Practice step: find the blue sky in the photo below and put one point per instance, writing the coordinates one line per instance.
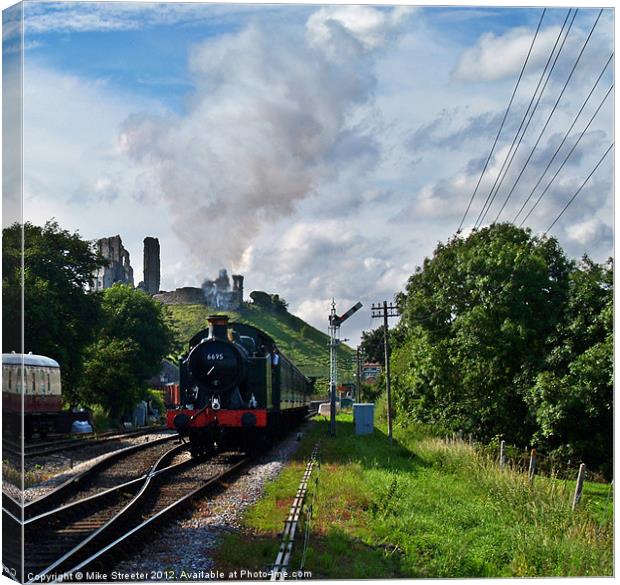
(322, 151)
(135, 58)
(148, 58)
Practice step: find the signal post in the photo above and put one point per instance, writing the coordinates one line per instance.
(334, 333)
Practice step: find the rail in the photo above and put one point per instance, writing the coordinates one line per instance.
(92, 540)
(17, 511)
(38, 449)
(124, 542)
(280, 568)
(127, 487)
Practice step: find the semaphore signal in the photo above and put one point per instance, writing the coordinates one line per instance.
(334, 331)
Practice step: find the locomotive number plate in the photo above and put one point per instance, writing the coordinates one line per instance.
(212, 357)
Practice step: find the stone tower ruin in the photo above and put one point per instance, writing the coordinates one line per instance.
(151, 265)
(118, 268)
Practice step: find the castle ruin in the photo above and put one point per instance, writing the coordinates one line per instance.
(118, 268)
(218, 293)
(215, 293)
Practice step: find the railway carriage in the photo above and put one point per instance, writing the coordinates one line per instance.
(234, 390)
(31, 384)
(32, 390)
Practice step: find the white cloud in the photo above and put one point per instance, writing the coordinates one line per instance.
(314, 311)
(11, 121)
(45, 17)
(368, 26)
(500, 56)
(73, 168)
(312, 261)
(589, 232)
(287, 163)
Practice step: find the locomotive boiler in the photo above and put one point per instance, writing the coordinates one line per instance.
(236, 388)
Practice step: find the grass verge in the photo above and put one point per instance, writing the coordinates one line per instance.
(425, 508)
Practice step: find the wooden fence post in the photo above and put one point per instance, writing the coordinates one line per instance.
(502, 457)
(579, 487)
(532, 469)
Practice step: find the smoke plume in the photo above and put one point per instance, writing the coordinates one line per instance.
(270, 121)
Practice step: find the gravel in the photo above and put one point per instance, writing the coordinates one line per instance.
(188, 544)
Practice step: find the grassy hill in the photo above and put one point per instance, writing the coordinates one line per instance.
(305, 345)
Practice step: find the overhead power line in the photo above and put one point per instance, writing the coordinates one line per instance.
(555, 105)
(518, 137)
(514, 91)
(567, 156)
(598, 164)
(557, 150)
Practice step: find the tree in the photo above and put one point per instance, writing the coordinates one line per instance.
(60, 315)
(572, 399)
(270, 301)
(136, 334)
(109, 377)
(477, 319)
(261, 298)
(372, 345)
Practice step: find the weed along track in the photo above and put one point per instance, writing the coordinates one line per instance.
(72, 537)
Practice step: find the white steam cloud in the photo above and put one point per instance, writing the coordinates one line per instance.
(271, 121)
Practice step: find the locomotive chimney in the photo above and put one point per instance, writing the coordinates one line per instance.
(218, 326)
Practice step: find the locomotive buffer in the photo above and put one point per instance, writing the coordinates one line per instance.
(334, 331)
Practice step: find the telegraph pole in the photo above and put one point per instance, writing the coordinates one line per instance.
(334, 332)
(358, 392)
(386, 311)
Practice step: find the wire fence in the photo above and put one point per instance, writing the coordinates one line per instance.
(532, 462)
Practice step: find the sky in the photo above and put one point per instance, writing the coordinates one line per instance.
(321, 151)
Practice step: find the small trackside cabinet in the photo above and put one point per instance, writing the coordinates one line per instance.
(363, 415)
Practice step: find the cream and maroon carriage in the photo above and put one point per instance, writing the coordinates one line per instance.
(31, 385)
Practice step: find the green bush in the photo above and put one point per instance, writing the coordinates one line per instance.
(155, 398)
(101, 421)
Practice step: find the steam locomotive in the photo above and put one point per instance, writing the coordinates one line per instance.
(236, 388)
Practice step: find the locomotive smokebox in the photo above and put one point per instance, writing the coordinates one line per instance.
(216, 364)
(218, 326)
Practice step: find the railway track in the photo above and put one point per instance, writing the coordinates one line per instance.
(72, 539)
(51, 535)
(69, 444)
(110, 471)
(95, 520)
